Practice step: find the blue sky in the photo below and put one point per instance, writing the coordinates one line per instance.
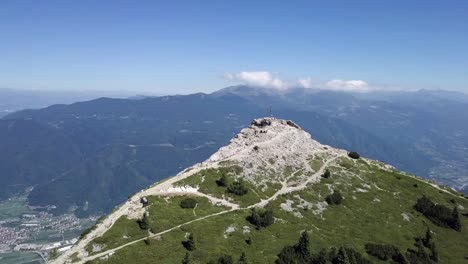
(191, 46)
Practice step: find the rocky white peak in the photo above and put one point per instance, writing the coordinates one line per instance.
(269, 146)
(269, 151)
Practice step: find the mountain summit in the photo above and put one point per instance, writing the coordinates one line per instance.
(275, 144)
(272, 183)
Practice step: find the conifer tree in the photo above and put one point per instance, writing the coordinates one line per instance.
(456, 219)
(143, 223)
(190, 243)
(303, 245)
(242, 259)
(342, 257)
(186, 259)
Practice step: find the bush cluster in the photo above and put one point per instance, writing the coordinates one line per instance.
(261, 219)
(188, 203)
(237, 188)
(353, 155)
(223, 181)
(228, 259)
(385, 252)
(425, 253)
(300, 254)
(438, 214)
(334, 198)
(326, 174)
(189, 244)
(143, 223)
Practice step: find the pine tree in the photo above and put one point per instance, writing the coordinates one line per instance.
(342, 257)
(455, 219)
(434, 253)
(143, 223)
(421, 252)
(223, 181)
(225, 259)
(427, 238)
(287, 255)
(190, 243)
(242, 259)
(302, 246)
(321, 257)
(186, 259)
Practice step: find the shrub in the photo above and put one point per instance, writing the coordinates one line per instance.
(300, 254)
(224, 259)
(143, 223)
(223, 181)
(382, 251)
(438, 214)
(237, 188)
(334, 198)
(326, 174)
(353, 155)
(188, 203)
(189, 244)
(288, 255)
(186, 259)
(261, 219)
(242, 259)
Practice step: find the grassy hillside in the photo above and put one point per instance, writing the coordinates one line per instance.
(377, 206)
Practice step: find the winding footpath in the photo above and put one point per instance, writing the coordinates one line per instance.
(252, 144)
(234, 207)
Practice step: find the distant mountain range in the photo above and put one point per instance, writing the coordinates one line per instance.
(12, 100)
(91, 155)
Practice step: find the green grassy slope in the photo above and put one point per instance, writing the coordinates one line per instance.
(378, 206)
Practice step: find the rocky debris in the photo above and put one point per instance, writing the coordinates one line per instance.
(320, 208)
(261, 122)
(291, 123)
(288, 207)
(144, 201)
(406, 217)
(229, 230)
(303, 204)
(272, 139)
(97, 247)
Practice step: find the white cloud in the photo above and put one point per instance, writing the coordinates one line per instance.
(259, 79)
(305, 83)
(266, 79)
(348, 85)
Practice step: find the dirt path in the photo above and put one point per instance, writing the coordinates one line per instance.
(128, 208)
(288, 189)
(111, 251)
(281, 140)
(234, 207)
